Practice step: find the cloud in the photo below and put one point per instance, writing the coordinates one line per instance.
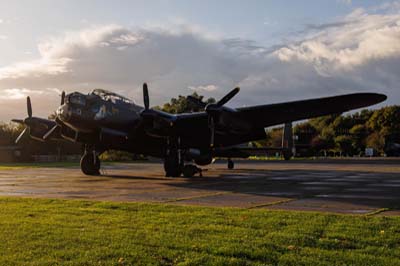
(206, 88)
(360, 52)
(346, 2)
(371, 37)
(18, 93)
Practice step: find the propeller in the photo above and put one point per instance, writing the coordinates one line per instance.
(62, 97)
(228, 97)
(214, 109)
(27, 121)
(23, 133)
(52, 132)
(29, 106)
(155, 122)
(146, 100)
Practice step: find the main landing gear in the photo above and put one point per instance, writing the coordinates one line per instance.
(90, 163)
(174, 165)
(174, 168)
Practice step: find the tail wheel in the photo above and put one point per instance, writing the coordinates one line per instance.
(287, 155)
(231, 164)
(90, 164)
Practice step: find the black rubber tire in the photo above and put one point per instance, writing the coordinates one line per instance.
(172, 167)
(88, 166)
(231, 164)
(287, 155)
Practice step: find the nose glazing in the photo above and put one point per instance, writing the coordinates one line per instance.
(64, 112)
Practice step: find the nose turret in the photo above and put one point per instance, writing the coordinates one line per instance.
(71, 107)
(64, 113)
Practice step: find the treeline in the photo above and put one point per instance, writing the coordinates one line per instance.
(346, 135)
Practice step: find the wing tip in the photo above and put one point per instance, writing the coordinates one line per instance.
(375, 98)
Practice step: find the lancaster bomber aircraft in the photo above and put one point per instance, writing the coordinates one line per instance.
(102, 120)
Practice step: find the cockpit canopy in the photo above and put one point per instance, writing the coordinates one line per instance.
(111, 96)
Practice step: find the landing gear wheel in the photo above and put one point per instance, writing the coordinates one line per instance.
(231, 164)
(90, 164)
(172, 166)
(287, 155)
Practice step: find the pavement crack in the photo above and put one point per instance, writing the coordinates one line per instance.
(195, 197)
(270, 203)
(378, 211)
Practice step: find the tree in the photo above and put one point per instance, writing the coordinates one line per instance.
(344, 144)
(274, 137)
(9, 132)
(305, 132)
(376, 141)
(182, 105)
(359, 134)
(342, 124)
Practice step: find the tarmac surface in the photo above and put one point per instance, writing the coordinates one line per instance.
(364, 186)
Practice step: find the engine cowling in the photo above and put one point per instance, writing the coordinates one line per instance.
(199, 157)
(203, 160)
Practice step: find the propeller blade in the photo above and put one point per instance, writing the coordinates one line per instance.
(196, 101)
(62, 97)
(51, 132)
(146, 100)
(212, 129)
(228, 97)
(29, 106)
(25, 131)
(19, 121)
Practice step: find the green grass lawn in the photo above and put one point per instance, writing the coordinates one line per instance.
(69, 232)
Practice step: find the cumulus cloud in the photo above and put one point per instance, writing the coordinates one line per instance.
(360, 52)
(348, 45)
(204, 88)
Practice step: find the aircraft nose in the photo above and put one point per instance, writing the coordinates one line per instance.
(64, 112)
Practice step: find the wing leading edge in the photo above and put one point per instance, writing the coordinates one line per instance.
(274, 114)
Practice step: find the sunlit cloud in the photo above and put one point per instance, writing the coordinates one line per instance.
(207, 88)
(17, 93)
(347, 45)
(360, 52)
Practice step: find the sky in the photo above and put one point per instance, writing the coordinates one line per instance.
(274, 50)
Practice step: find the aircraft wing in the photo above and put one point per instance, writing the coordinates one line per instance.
(248, 123)
(275, 114)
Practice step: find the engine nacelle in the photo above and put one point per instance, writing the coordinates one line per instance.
(204, 160)
(199, 157)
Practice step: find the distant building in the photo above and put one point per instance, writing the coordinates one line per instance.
(10, 154)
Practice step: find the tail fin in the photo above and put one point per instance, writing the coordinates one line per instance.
(287, 141)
